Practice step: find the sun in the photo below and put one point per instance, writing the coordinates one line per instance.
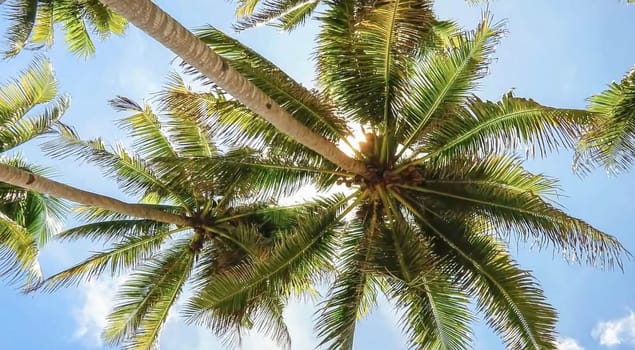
(351, 145)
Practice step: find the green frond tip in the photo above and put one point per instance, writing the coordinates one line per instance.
(32, 24)
(610, 139)
(284, 14)
(509, 297)
(144, 300)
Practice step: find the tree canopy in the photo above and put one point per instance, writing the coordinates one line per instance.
(421, 211)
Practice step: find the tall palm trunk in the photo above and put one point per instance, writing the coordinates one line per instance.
(30, 181)
(171, 34)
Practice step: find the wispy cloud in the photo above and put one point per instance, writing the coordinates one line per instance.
(569, 344)
(95, 300)
(620, 331)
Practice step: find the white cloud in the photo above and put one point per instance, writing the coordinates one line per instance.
(569, 344)
(616, 332)
(96, 300)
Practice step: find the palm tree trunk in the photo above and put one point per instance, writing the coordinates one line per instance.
(170, 33)
(30, 181)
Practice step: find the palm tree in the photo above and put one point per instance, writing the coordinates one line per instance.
(27, 218)
(31, 24)
(427, 221)
(610, 139)
(228, 225)
(436, 190)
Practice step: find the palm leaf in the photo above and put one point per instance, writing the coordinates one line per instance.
(444, 81)
(111, 230)
(284, 14)
(185, 127)
(32, 24)
(510, 199)
(146, 298)
(20, 131)
(435, 313)
(511, 124)
(145, 127)
(289, 266)
(125, 255)
(23, 13)
(35, 85)
(133, 174)
(303, 104)
(509, 297)
(610, 142)
(18, 252)
(354, 292)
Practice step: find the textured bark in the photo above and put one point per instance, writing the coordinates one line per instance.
(30, 181)
(170, 33)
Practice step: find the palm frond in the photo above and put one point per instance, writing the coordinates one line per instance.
(27, 220)
(284, 14)
(610, 142)
(244, 171)
(103, 21)
(44, 216)
(43, 28)
(435, 313)
(443, 81)
(354, 291)
(145, 299)
(91, 213)
(76, 28)
(18, 253)
(125, 255)
(510, 198)
(110, 230)
(133, 174)
(32, 24)
(35, 85)
(144, 126)
(512, 124)
(23, 130)
(509, 297)
(186, 115)
(221, 304)
(306, 106)
(23, 13)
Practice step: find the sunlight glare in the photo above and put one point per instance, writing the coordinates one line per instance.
(353, 140)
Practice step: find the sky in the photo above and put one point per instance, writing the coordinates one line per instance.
(558, 52)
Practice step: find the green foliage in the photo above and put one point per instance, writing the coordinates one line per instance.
(32, 24)
(427, 224)
(444, 191)
(177, 168)
(29, 107)
(610, 139)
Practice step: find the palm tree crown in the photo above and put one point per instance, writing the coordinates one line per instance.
(442, 192)
(176, 168)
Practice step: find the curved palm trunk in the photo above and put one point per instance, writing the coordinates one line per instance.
(170, 33)
(30, 181)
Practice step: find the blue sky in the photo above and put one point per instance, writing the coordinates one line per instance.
(558, 52)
